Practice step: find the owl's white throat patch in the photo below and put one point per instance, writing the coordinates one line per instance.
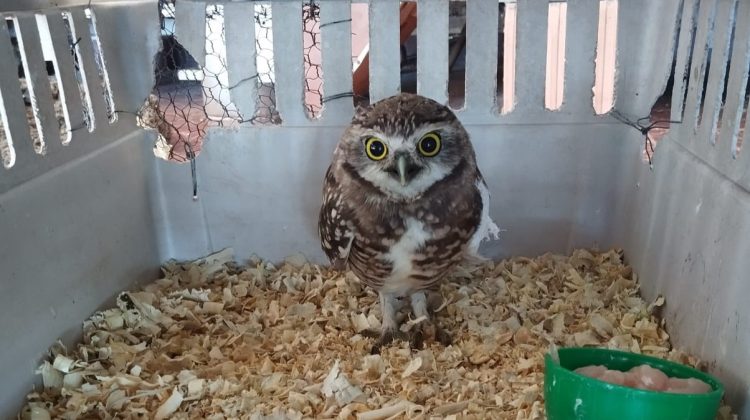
(401, 255)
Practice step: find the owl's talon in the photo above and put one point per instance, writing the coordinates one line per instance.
(416, 341)
(417, 338)
(370, 333)
(386, 338)
(443, 337)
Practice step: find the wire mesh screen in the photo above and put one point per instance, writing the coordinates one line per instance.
(189, 98)
(312, 57)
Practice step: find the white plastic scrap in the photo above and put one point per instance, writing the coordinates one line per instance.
(63, 363)
(338, 386)
(296, 260)
(38, 412)
(412, 367)
(168, 407)
(360, 323)
(73, 380)
(553, 353)
(213, 263)
(408, 408)
(198, 295)
(127, 300)
(196, 388)
(51, 377)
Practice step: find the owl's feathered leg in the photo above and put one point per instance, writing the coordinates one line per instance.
(419, 307)
(389, 331)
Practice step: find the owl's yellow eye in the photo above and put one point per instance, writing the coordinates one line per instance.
(429, 145)
(375, 148)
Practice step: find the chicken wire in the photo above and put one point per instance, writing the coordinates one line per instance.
(188, 98)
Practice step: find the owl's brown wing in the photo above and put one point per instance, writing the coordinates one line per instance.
(334, 223)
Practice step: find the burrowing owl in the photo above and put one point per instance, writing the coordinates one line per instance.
(404, 202)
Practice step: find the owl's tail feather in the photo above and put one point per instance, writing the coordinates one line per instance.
(489, 232)
(493, 232)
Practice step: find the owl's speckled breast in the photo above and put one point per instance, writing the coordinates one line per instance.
(415, 246)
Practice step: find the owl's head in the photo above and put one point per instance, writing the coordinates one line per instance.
(404, 144)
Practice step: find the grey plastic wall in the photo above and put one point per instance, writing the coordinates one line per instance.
(79, 225)
(685, 225)
(71, 239)
(686, 229)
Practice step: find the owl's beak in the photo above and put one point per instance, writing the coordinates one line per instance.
(401, 166)
(404, 169)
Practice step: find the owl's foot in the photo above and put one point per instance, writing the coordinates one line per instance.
(427, 329)
(384, 338)
(428, 326)
(370, 333)
(389, 332)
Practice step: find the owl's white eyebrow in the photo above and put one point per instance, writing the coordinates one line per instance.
(421, 131)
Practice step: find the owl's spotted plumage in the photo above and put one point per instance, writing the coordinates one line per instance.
(403, 201)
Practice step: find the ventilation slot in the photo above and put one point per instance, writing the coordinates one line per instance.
(669, 106)
(266, 112)
(738, 85)
(27, 87)
(508, 58)
(74, 40)
(700, 64)
(716, 93)
(738, 91)
(37, 55)
(360, 53)
(741, 132)
(456, 53)
(555, 76)
(606, 54)
(55, 80)
(217, 105)
(7, 153)
(408, 45)
(212, 75)
(705, 67)
(101, 67)
(312, 56)
(683, 57)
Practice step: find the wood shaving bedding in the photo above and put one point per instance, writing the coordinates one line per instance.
(216, 341)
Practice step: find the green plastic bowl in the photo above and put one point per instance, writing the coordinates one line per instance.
(569, 395)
